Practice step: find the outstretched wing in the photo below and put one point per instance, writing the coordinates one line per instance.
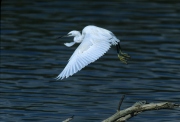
(87, 52)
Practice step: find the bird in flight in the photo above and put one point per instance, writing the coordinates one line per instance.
(95, 42)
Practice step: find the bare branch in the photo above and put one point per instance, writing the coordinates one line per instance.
(120, 103)
(68, 119)
(123, 115)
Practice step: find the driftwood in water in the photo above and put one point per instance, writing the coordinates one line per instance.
(137, 108)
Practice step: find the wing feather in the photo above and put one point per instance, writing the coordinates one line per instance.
(86, 53)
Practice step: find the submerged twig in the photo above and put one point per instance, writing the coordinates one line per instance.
(68, 119)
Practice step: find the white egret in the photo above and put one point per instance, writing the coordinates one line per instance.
(95, 42)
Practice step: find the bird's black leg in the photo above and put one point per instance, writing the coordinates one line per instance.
(117, 47)
(122, 56)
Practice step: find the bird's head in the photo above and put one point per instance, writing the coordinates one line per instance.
(73, 33)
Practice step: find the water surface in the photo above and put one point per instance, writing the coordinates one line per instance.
(31, 58)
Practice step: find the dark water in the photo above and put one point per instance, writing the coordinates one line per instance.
(31, 58)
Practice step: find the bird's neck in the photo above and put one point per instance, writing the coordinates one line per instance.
(78, 38)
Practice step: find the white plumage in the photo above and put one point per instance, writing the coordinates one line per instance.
(95, 42)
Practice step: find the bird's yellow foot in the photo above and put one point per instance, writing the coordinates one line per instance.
(124, 54)
(123, 57)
